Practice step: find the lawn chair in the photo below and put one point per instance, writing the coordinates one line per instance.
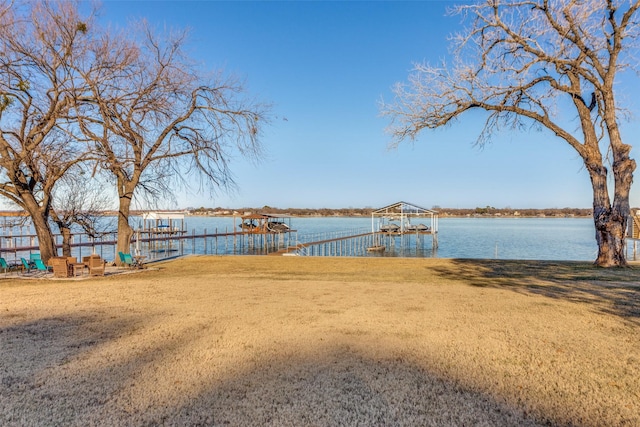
(61, 267)
(4, 265)
(26, 265)
(96, 265)
(38, 266)
(41, 267)
(127, 259)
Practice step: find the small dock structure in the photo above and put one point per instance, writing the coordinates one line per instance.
(633, 224)
(161, 232)
(266, 233)
(633, 231)
(395, 229)
(404, 218)
(259, 223)
(163, 223)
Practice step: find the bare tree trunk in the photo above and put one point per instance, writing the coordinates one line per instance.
(125, 232)
(610, 220)
(610, 226)
(65, 231)
(46, 241)
(66, 241)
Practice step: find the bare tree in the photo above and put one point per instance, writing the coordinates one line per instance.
(37, 92)
(80, 201)
(158, 122)
(525, 62)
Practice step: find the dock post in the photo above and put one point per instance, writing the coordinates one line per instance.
(206, 252)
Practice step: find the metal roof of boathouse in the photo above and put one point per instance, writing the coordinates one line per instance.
(403, 213)
(404, 208)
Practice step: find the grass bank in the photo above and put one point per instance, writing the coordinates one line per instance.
(325, 341)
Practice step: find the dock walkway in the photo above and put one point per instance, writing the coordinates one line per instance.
(303, 246)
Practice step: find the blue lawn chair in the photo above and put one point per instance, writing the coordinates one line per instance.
(126, 259)
(26, 265)
(40, 266)
(4, 265)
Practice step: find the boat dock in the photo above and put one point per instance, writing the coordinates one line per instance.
(348, 245)
(633, 233)
(395, 231)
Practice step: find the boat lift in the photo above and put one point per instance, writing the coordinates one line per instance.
(404, 218)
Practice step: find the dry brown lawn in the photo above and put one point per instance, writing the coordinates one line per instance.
(300, 341)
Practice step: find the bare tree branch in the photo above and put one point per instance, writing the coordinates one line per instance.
(154, 121)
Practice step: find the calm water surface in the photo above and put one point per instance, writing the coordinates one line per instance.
(504, 238)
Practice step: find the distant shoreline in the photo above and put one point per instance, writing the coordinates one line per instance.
(363, 212)
(487, 212)
(441, 216)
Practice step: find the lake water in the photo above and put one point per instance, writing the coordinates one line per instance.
(570, 239)
(503, 238)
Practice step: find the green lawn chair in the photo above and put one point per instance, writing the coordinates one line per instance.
(126, 259)
(26, 265)
(40, 266)
(4, 265)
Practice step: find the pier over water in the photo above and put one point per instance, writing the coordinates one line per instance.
(159, 235)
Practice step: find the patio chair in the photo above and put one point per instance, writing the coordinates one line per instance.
(40, 266)
(26, 265)
(61, 267)
(96, 265)
(127, 259)
(4, 265)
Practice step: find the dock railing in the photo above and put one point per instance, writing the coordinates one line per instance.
(155, 247)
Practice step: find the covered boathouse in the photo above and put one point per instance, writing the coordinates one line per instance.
(403, 218)
(633, 232)
(266, 233)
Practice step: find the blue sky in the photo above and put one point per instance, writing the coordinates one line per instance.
(325, 66)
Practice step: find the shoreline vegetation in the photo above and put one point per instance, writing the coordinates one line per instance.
(254, 341)
(366, 212)
(487, 211)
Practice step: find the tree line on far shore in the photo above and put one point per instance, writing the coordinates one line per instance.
(366, 211)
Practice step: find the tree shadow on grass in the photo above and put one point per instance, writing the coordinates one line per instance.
(341, 386)
(46, 381)
(610, 291)
(39, 359)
